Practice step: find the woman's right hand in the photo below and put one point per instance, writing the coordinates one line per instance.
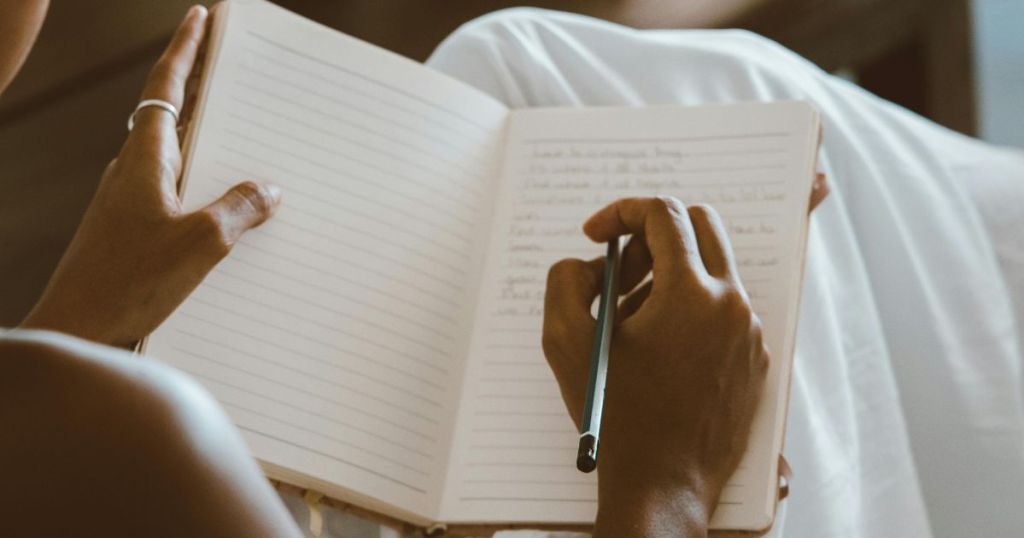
(687, 366)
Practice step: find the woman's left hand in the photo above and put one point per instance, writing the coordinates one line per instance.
(137, 254)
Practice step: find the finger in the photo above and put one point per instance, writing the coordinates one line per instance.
(666, 227)
(636, 264)
(820, 190)
(241, 208)
(194, 79)
(632, 303)
(568, 324)
(713, 241)
(155, 128)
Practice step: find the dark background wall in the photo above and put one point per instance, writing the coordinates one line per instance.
(64, 117)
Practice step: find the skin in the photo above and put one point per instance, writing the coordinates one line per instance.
(687, 409)
(19, 27)
(136, 448)
(119, 446)
(161, 253)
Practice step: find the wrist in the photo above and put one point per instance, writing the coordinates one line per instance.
(657, 506)
(51, 316)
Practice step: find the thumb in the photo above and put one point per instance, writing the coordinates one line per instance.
(242, 207)
(568, 325)
(569, 328)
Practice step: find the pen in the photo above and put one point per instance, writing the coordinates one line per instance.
(590, 434)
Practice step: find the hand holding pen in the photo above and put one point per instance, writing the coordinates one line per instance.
(686, 366)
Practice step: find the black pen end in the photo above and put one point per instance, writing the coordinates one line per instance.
(586, 457)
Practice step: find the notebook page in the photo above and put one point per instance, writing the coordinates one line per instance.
(335, 334)
(515, 446)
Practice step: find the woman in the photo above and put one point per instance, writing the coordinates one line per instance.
(134, 448)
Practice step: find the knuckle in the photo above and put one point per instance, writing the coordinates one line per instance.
(254, 196)
(175, 78)
(564, 270)
(167, 166)
(551, 339)
(764, 362)
(207, 230)
(160, 73)
(736, 308)
(668, 205)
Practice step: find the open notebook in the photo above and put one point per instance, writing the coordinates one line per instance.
(379, 339)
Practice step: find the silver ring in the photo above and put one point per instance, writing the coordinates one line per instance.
(158, 103)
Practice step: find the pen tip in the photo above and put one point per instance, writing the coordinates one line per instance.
(586, 457)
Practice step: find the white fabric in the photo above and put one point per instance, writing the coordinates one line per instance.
(906, 416)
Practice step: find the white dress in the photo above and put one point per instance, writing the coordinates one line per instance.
(906, 416)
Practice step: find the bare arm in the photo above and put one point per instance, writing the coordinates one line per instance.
(120, 446)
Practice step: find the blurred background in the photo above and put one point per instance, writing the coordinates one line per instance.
(958, 62)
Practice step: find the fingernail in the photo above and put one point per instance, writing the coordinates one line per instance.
(273, 191)
(195, 11)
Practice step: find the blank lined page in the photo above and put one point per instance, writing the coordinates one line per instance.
(335, 334)
(515, 445)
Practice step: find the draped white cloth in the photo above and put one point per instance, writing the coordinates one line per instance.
(906, 415)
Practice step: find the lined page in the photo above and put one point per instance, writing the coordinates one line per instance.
(335, 334)
(515, 445)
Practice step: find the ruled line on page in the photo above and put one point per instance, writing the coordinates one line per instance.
(657, 139)
(440, 196)
(371, 362)
(480, 167)
(453, 113)
(465, 172)
(337, 311)
(403, 463)
(348, 177)
(492, 396)
(332, 457)
(305, 391)
(351, 246)
(343, 203)
(356, 319)
(293, 366)
(346, 334)
(531, 499)
(336, 154)
(558, 483)
(426, 217)
(330, 291)
(277, 63)
(558, 431)
(320, 416)
(339, 120)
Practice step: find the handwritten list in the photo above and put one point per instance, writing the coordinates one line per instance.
(517, 442)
